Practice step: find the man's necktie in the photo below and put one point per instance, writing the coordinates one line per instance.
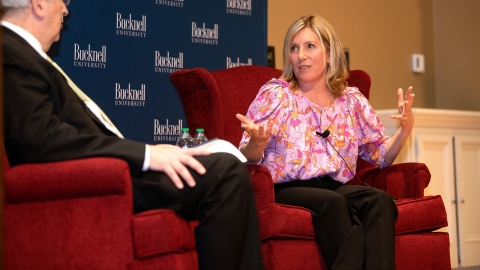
(89, 102)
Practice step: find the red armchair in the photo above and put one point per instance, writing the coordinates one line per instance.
(78, 215)
(211, 100)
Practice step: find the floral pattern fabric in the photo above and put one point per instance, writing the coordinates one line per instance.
(296, 152)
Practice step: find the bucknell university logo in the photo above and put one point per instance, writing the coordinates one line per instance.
(166, 132)
(131, 27)
(129, 96)
(86, 57)
(239, 7)
(204, 35)
(168, 64)
(231, 64)
(171, 3)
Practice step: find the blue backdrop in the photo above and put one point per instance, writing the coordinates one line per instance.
(121, 54)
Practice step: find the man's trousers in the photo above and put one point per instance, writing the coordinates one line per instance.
(223, 201)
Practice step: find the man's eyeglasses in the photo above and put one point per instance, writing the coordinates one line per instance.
(66, 2)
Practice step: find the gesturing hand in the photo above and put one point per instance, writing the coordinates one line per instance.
(173, 161)
(258, 133)
(405, 108)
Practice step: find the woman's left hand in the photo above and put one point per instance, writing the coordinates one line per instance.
(405, 115)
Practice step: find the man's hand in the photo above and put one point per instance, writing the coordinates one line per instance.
(173, 161)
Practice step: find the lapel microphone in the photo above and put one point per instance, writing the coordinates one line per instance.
(324, 135)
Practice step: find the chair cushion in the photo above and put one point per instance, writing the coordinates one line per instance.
(157, 232)
(420, 214)
(414, 215)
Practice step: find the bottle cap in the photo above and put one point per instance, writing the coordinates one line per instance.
(200, 130)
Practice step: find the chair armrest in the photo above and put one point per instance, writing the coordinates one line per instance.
(66, 179)
(403, 180)
(399, 180)
(262, 185)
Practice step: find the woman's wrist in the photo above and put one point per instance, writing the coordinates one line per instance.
(258, 144)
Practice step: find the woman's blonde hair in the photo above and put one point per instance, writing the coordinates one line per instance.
(337, 72)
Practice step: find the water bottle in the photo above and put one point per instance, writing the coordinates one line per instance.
(199, 137)
(185, 140)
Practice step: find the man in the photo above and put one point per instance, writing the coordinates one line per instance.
(45, 120)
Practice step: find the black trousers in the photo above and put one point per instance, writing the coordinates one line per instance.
(228, 234)
(355, 225)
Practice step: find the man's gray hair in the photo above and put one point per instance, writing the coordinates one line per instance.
(15, 3)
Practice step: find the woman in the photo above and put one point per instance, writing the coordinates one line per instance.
(354, 224)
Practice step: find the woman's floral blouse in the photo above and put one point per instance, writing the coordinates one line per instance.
(296, 152)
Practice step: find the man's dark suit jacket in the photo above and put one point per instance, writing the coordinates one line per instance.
(45, 120)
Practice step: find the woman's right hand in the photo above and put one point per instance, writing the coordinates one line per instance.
(259, 137)
(258, 133)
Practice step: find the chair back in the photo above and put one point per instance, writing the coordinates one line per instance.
(211, 99)
(361, 80)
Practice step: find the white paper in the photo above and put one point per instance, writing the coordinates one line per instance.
(218, 145)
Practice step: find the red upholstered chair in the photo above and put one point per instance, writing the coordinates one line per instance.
(78, 215)
(211, 100)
